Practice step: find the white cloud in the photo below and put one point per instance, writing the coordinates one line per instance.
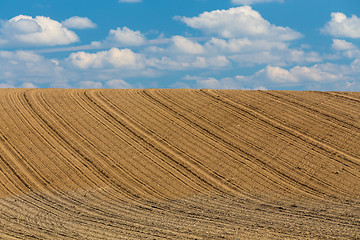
(342, 26)
(126, 36)
(185, 45)
(250, 2)
(188, 62)
(27, 69)
(168, 63)
(314, 73)
(244, 45)
(39, 31)
(277, 74)
(6, 85)
(297, 74)
(123, 37)
(347, 49)
(342, 45)
(211, 82)
(239, 22)
(113, 58)
(213, 62)
(78, 23)
(118, 83)
(355, 66)
(280, 57)
(28, 85)
(90, 84)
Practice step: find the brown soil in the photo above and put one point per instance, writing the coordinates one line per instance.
(179, 164)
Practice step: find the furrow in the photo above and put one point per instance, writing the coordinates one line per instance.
(233, 154)
(324, 149)
(293, 132)
(251, 158)
(168, 153)
(293, 168)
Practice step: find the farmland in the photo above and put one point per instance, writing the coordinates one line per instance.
(179, 164)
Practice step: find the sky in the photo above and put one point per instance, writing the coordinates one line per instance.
(220, 44)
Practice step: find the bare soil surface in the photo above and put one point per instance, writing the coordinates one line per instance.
(179, 164)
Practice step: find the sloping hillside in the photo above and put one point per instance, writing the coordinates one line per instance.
(179, 164)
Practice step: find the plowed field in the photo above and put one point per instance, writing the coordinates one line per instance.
(179, 164)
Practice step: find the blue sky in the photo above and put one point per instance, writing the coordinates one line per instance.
(224, 44)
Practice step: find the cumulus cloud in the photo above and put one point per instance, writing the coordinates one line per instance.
(188, 62)
(186, 45)
(346, 48)
(113, 58)
(28, 85)
(342, 26)
(39, 31)
(280, 57)
(118, 83)
(244, 45)
(342, 45)
(236, 82)
(214, 62)
(277, 74)
(250, 2)
(239, 22)
(297, 74)
(123, 37)
(6, 85)
(126, 36)
(326, 76)
(212, 82)
(27, 69)
(78, 23)
(90, 84)
(240, 35)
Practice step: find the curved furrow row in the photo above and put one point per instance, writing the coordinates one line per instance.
(39, 182)
(353, 97)
(178, 164)
(146, 146)
(288, 169)
(231, 133)
(315, 109)
(122, 99)
(293, 143)
(180, 157)
(329, 123)
(94, 136)
(107, 163)
(327, 103)
(277, 173)
(351, 159)
(85, 225)
(210, 144)
(48, 146)
(236, 137)
(241, 153)
(327, 151)
(324, 109)
(276, 124)
(84, 140)
(100, 167)
(72, 176)
(264, 108)
(48, 201)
